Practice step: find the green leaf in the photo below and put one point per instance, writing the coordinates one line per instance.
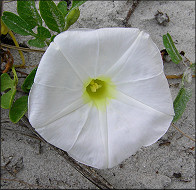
(37, 43)
(18, 109)
(6, 82)
(72, 17)
(52, 16)
(171, 49)
(28, 82)
(180, 102)
(43, 32)
(76, 4)
(62, 6)
(52, 38)
(7, 98)
(28, 12)
(17, 24)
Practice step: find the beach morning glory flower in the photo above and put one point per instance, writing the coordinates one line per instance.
(101, 95)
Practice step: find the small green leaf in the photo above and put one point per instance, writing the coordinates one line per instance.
(76, 4)
(28, 12)
(18, 109)
(28, 82)
(6, 82)
(52, 38)
(171, 49)
(52, 16)
(37, 43)
(17, 24)
(72, 17)
(43, 32)
(62, 6)
(7, 98)
(180, 102)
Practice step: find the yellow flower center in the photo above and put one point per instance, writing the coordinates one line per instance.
(99, 91)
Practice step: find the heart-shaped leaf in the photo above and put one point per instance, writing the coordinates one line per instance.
(7, 84)
(18, 109)
(7, 98)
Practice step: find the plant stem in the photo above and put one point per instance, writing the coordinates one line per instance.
(22, 49)
(15, 75)
(183, 132)
(17, 45)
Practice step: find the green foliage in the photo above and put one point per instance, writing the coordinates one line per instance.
(171, 49)
(28, 82)
(180, 102)
(18, 109)
(76, 4)
(52, 38)
(43, 33)
(37, 43)
(62, 6)
(28, 12)
(72, 17)
(184, 93)
(55, 17)
(8, 85)
(52, 15)
(6, 82)
(17, 24)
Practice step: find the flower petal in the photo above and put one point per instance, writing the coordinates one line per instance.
(80, 47)
(55, 70)
(46, 103)
(89, 148)
(153, 92)
(141, 61)
(132, 125)
(64, 131)
(113, 43)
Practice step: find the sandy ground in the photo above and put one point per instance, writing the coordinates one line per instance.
(162, 165)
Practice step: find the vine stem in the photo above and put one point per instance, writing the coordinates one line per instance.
(17, 45)
(21, 48)
(15, 75)
(183, 132)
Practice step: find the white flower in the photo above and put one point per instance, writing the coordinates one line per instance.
(101, 95)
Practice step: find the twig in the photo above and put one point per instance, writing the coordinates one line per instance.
(131, 10)
(86, 171)
(21, 48)
(183, 132)
(23, 73)
(176, 76)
